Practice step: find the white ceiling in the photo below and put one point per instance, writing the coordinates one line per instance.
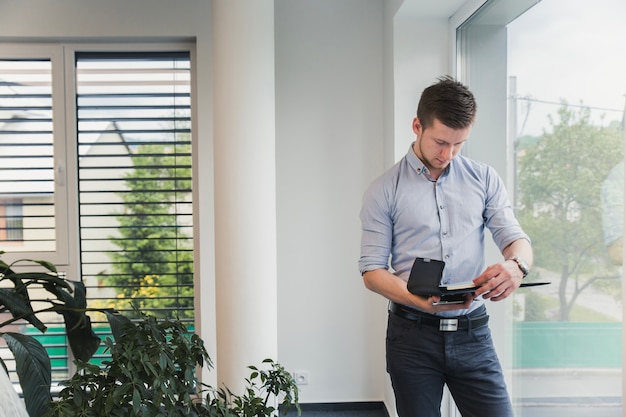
(432, 9)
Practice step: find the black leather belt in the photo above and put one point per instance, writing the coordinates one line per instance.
(443, 323)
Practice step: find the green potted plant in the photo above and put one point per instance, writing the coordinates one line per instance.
(152, 372)
(19, 288)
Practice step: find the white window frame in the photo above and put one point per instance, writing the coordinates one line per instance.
(63, 210)
(62, 57)
(70, 50)
(65, 136)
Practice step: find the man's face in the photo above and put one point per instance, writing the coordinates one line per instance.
(437, 145)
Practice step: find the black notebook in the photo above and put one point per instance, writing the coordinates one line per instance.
(425, 279)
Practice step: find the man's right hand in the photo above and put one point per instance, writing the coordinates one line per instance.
(431, 304)
(383, 282)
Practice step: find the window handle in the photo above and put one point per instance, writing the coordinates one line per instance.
(59, 174)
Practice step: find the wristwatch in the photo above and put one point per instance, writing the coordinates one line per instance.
(521, 264)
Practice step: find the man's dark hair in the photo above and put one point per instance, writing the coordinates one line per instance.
(448, 101)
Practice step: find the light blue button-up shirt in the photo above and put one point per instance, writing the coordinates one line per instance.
(406, 214)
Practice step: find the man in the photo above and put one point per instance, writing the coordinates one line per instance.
(436, 204)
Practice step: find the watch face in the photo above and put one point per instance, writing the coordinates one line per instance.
(523, 266)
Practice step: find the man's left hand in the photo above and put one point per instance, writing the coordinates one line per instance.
(498, 281)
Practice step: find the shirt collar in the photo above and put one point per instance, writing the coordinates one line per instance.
(418, 166)
(414, 161)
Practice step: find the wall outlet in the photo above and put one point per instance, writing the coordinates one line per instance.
(301, 377)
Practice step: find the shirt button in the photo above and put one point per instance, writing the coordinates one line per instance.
(447, 256)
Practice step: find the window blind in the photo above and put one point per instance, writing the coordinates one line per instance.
(134, 169)
(133, 181)
(27, 188)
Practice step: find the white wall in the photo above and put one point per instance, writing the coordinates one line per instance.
(333, 136)
(420, 56)
(329, 90)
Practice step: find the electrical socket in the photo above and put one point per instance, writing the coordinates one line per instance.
(302, 377)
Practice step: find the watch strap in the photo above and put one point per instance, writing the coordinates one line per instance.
(523, 266)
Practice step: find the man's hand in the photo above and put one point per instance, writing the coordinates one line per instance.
(498, 281)
(393, 288)
(430, 304)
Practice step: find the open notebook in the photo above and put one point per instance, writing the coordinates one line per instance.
(425, 279)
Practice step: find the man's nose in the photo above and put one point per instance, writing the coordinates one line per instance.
(448, 152)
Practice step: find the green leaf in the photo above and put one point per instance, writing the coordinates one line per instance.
(80, 335)
(65, 296)
(34, 372)
(42, 277)
(20, 308)
(117, 323)
(48, 265)
(19, 287)
(136, 401)
(82, 339)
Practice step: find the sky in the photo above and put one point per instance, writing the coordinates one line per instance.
(573, 50)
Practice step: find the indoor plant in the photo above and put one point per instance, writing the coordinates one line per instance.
(44, 284)
(152, 372)
(153, 363)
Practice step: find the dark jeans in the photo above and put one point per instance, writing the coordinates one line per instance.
(421, 359)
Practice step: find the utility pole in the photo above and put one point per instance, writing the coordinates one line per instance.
(512, 141)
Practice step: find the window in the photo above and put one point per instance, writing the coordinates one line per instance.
(125, 163)
(134, 168)
(12, 222)
(28, 220)
(565, 143)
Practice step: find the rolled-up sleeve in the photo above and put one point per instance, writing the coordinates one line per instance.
(376, 229)
(499, 214)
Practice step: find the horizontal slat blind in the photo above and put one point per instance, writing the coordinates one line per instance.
(27, 213)
(134, 160)
(134, 182)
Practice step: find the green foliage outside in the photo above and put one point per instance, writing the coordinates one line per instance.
(559, 204)
(539, 307)
(154, 267)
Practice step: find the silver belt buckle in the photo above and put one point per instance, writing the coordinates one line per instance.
(448, 325)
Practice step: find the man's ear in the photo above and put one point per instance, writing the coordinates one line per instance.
(417, 126)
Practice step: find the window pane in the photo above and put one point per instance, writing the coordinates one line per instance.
(134, 147)
(568, 122)
(27, 213)
(566, 80)
(135, 173)
(133, 179)
(14, 221)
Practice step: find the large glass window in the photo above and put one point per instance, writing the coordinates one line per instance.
(28, 221)
(569, 133)
(134, 180)
(125, 163)
(559, 69)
